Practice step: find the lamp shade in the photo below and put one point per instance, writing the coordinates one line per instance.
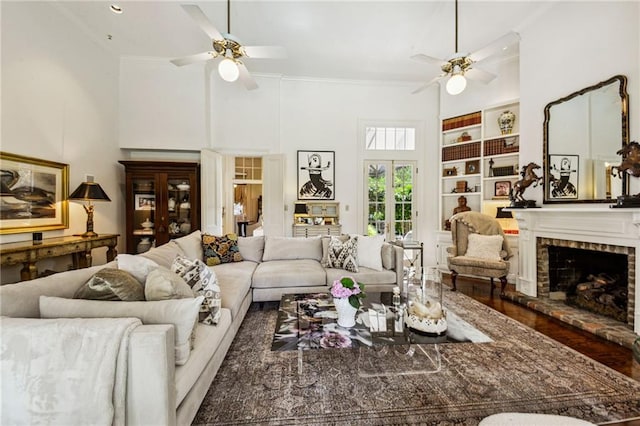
(89, 191)
(228, 70)
(456, 84)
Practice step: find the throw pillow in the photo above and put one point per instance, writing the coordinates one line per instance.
(344, 254)
(203, 282)
(388, 256)
(219, 250)
(111, 284)
(191, 245)
(163, 255)
(162, 284)
(484, 246)
(251, 248)
(370, 251)
(182, 313)
(137, 266)
(325, 248)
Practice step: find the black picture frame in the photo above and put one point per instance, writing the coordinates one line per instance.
(563, 177)
(316, 175)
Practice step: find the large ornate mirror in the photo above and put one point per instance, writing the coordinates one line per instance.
(582, 133)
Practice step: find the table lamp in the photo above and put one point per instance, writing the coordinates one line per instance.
(89, 191)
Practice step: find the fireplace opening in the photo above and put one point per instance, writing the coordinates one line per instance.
(592, 280)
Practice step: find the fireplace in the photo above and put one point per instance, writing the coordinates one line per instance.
(597, 277)
(595, 228)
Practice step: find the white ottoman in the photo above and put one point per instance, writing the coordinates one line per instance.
(531, 419)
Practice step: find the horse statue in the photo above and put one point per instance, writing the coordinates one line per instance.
(630, 160)
(630, 165)
(529, 177)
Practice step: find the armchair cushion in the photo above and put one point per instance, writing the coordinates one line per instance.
(484, 246)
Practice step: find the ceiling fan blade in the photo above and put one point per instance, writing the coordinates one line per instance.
(265, 51)
(198, 57)
(428, 59)
(245, 78)
(427, 84)
(495, 46)
(201, 19)
(479, 75)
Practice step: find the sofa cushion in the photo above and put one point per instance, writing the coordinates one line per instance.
(325, 247)
(137, 266)
(163, 255)
(234, 280)
(370, 251)
(289, 273)
(484, 246)
(207, 341)
(162, 284)
(203, 282)
(191, 245)
(251, 248)
(364, 275)
(343, 255)
(219, 250)
(111, 284)
(182, 313)
(292, 248)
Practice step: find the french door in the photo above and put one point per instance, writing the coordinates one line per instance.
(390, 208)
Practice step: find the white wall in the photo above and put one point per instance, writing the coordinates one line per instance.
(59, 102)
(571, 46)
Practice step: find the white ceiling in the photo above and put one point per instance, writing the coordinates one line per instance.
(366, 40)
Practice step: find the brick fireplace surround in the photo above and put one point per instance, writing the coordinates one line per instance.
(597, 228)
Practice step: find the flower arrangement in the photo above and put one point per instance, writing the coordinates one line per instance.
(350, 288)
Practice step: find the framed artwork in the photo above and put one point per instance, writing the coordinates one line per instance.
(34, 194)
(452, 171)
(563, 177)
(502, 189)
(145, 201)
(316, 174)
(472, 167)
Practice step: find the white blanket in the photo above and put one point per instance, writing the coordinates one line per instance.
(64, 371)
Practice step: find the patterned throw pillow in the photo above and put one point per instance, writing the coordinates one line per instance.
(219, 250)
(344, 254)
(202, 281)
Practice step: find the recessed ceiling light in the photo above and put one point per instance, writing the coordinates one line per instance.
(115, 9)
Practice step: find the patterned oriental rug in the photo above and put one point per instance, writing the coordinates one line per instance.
(521, 370)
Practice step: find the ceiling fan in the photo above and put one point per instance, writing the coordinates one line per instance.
(229, 47)
(461, 65)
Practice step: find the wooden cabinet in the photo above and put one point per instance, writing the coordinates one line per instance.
(162, 202)
(316, 218)
(479, 162)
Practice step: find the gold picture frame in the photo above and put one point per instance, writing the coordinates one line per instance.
(34, 194)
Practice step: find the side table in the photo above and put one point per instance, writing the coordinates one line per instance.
(28, 252)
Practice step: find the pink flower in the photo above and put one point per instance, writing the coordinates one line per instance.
(346, 287)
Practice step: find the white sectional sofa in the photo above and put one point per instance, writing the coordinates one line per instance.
(162, 393)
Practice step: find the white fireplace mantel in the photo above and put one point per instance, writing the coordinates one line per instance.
(598, 224)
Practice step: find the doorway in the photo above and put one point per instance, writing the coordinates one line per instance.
(247, 196)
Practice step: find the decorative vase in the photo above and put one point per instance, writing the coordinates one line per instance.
(346, 312)
(185, 227)
(144, 245)
(506, 121)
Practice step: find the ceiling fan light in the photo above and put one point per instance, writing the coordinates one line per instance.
(228, 70)
(456, 84)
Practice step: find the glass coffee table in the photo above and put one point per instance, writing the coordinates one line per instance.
(384, 345)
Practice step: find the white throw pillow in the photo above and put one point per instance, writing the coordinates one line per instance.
(191, 245)
(182, 313)
(370, 251)
(137, 266)
(484, 246)
(251, 248)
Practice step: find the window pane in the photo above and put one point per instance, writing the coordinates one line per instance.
(390, 138)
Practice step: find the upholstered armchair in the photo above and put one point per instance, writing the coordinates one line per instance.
(479, 248)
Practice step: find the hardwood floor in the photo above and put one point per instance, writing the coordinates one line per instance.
(610, 354)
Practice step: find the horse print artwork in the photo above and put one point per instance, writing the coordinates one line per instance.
(316, 173)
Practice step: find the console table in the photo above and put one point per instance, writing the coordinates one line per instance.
(28, 252)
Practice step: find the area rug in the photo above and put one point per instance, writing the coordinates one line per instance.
(521, 370)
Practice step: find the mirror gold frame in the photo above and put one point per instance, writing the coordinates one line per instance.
(594, 179)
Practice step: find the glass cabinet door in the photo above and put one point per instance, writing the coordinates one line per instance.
(179, 206)
(144, 217)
